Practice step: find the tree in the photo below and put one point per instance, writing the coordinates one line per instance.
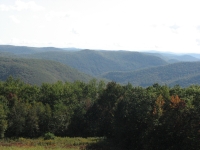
(132, 118)
(17, 119)
(60, 121)
(51, 93)
(101, 114)
(3, 121)
(45, 116)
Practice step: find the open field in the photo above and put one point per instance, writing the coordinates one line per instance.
(58, 143)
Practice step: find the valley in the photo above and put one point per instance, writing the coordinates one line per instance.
(138, 68)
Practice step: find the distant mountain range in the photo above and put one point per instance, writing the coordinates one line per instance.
(98, 62)
(47, 64)
(172, 57)
(22, 50)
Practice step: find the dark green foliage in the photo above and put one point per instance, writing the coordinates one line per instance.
(49, 136)
(152, 118)
(103, 115)
(30, 111)
(133, 118)
(3, 121)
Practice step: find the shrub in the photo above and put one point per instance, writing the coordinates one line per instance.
(49, 136)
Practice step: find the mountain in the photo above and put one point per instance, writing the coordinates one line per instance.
(95, 62)
(182, 73)
(173, 57)
(22, 50)
(195, 55)
(193, 80)
(138, 68)
(35, 71)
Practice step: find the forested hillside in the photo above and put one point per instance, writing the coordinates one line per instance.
(21, 50)
(37, 71)
(51, 98)
(137, 68)
(175, 57)
(152, 118)
(98, 62)
(183, 73)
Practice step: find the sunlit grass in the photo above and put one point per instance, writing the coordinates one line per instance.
(35, 148)
(65, 143)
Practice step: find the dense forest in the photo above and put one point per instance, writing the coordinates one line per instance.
(155, 117)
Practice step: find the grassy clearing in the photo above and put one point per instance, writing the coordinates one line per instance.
(58, 143)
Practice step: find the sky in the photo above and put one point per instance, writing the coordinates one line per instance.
(138, 25)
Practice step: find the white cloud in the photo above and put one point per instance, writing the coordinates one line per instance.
(15, 19)
(22, 42)
(55, 15)
(1, 42)
(74, 31)
(4, 7)
(174, 27)
(14, 41)
(114, 24)
(198, 27)
(198, 42)
(20, 5)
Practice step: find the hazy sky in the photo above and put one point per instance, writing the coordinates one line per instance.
(165, 25)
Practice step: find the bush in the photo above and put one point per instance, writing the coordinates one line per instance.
(49, 136)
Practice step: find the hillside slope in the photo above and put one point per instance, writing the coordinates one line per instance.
(98, 62)
(172, 57)
(187, 81)
(22, 50)
(184, 74)
(36, 71)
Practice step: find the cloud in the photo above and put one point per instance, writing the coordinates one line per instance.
(20, 5)
(174, 27)
(15, 19)
(56, 14)
(198, 42)
(22, 42)
(198, 28)
(1, 42)
(4, 7)
(74, 31)
(14, 41)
